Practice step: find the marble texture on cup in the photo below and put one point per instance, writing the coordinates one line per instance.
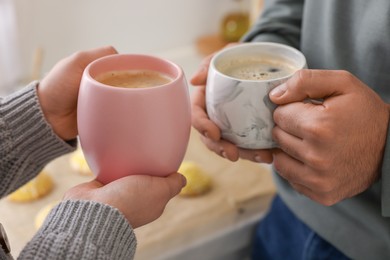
(242, 108)
(127, 131)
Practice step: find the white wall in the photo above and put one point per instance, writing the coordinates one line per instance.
(61, 27)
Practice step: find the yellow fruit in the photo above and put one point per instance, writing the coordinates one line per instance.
(198, 181)
(36, 188)
(79, 164)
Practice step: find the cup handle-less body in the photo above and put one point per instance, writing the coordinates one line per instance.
(134, 131)
(241, 108)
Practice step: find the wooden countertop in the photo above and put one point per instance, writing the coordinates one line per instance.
(241, 189)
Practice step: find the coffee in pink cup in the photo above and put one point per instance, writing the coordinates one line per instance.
(133, 116)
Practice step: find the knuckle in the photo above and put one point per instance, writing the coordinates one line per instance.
(280, 116)
(212, 146)
(318, 130)
(312, 129)
(325, 187)
(298, 189)
(291, 151)
(283, 171)
(79, 55)
(276, 132)
(301, 76)
(278, 166)
(326, 194)
(346, 75)
(79, 59)
(315, 160)
(328, 201)
(246, 155)
(196, 123)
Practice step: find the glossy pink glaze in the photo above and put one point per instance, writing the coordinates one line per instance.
(133, 131)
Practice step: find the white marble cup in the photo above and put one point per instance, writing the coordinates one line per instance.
(238, 84)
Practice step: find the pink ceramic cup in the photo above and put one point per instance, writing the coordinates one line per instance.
(128, 131)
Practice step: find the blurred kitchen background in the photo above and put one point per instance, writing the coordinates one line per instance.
(35, 34)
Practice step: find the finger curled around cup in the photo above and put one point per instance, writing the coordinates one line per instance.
(206, 127)
(201, 121)
(175, 182)
(200, 76)
(222, 148)
(260, 156)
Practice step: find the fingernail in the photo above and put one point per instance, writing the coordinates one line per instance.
(223, 153)
(184, 180)
(258, 158)
(279, 90)
(206, 134)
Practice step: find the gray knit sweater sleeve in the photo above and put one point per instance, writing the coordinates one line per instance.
(27, 142)
(279, 22)
(82, 230)
(73, 229)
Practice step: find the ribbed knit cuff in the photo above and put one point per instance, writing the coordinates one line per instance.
(31, 135)
(87, 230)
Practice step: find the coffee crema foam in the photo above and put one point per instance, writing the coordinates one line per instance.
(134, 78)
(256, 68)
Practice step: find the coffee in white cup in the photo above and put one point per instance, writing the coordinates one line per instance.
(238, 84)
(256, 67)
